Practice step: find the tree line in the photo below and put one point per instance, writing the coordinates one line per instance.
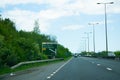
(102, 54)
(17, 46)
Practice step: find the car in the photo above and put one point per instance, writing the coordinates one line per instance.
(75, 56)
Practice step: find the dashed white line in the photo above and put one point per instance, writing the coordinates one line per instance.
(98, 64)
(12, 74)
(58, 69)
(109, 69)
(54, 72)
(48, 77)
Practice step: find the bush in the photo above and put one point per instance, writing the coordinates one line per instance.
(4, 53)
(43, 56)
(84, 53)
(11, 60)
(18, 46)
(117, 54)
(1, 63)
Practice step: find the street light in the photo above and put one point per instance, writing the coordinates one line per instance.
(88, 38)
(85, 43)
(106, 23)
(93, 24)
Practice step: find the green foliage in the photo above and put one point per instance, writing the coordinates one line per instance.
(63, 52)
(103, 54)
(100, 54)
(12, 59)
(17, 46)
(43, 56)
(84, 53)
(36, 28)
(1, 41)
(4, 53)
(117, 53)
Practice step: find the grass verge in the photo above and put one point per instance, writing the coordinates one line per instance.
(6, 70)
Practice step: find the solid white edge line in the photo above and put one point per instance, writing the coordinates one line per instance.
(58, 69)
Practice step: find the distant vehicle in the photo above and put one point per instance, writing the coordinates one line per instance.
(111, 54)
(75, 55)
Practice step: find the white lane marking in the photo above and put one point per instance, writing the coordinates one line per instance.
(12, 74)
(63, 65)
(98, 64)
(48, 77)
(109, 69)
(54, 72)
(58, 69)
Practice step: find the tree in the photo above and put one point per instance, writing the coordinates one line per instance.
(117, 53)
(18, 46)
(84, 53)
(36, 27)
(63, 52)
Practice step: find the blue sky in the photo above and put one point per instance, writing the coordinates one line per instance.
(67, 20)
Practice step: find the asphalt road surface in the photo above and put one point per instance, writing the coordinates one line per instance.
(80, 68)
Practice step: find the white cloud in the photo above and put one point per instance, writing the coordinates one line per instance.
(72, 27)
(25, 19)
(76, 6)
(57, 3)
(4, 3)
(91, 7)
(51, 14)
(58, 8)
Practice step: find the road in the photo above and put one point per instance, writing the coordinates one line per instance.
(89, 69)
(80, 68)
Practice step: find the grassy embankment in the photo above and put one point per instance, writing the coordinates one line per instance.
(28, 66)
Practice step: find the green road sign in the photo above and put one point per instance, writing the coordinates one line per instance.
(49, 48)
(49, 45)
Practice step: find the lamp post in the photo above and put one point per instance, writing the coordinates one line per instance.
(84, 43)
(106, 23)
(93, 24)
(88, 38)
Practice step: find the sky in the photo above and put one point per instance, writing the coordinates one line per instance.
(68, 20)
